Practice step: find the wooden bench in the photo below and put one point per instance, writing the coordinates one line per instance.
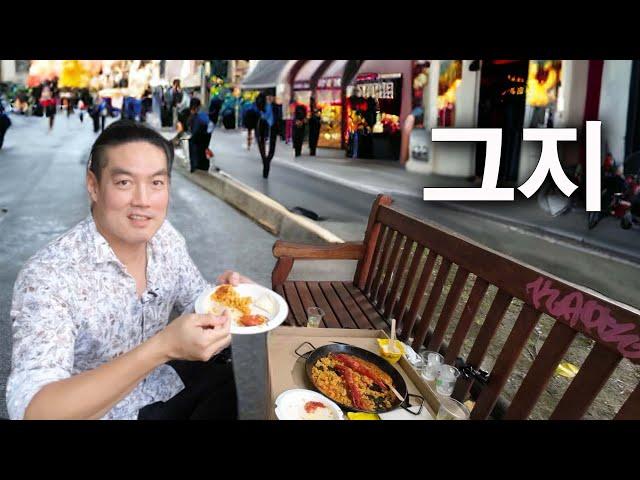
(396, 261)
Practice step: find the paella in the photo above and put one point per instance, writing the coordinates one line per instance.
(353, 382)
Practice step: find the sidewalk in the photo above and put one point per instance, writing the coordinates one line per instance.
(380, 176)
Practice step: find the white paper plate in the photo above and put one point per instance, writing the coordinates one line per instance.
(290, 405)
(255, 291)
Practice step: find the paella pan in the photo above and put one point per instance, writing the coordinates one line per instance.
(356, 379)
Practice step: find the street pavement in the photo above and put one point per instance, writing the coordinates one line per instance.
(42, 188)
(341, 191)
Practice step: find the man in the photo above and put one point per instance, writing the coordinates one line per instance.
(103, 112)
(215, 105)
(267, 129)
(299, 124)
(200, 137)
(90, 311)
(176, 98)
(315, 120)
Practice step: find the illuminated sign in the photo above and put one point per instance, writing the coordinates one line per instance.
(329, 83)
(375, 90)
(302, 85)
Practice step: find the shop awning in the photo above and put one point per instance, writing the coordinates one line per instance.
(336, 69)
(305, 74)
(266, 74)
(332, 76)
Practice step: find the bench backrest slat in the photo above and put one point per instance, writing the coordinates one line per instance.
(409, 318)
(586, 385)
(392, 297)
(401, 305)
(385, 253)
(541, 371)
(491, 322)
(435, 342)
(507, 359)
(389, 270)
(631, 408)
(429, 308)
(478, 292)
(370, 241)
(377, 257)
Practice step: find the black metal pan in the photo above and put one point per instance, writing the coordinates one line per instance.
(313, 355)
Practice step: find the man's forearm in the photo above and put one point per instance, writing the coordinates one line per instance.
(91, 394)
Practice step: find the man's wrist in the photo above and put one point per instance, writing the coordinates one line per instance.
(159, 349)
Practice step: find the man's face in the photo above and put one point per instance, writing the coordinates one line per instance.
(131, 199)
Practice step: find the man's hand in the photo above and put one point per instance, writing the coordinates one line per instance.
(196, 337)
(234, 278)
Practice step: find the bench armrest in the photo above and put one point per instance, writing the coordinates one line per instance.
(304, 251)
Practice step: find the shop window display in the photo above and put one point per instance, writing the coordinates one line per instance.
(448, 81)
(373, 116)
(329, 102)
(543, 84)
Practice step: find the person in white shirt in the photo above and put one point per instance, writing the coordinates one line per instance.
(90, 312)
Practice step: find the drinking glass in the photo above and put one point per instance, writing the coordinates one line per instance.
(314, 317)
(446, 379)
(432, 362)
(451, 409)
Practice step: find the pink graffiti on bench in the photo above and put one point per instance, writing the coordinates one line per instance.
(594, 317)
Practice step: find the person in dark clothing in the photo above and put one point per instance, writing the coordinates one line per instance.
(215, 105)
(314, 127)
(209, 393)
(267, 128)
(176, 95)
(95, 116)
(200, 137)
(299, 125)
(250, 120)
(103, 111)
(5, 123)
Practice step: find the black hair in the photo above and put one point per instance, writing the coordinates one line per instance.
(121, 132)
(194, 103)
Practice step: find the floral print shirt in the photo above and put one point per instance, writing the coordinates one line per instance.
(75, 307)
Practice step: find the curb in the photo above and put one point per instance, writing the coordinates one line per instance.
(266, 212)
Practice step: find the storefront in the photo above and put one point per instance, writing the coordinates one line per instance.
(329, 100)
(506, 94)
(268, 75)
(377, 102)
(302, 84)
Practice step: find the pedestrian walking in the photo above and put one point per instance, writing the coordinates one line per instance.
(176, 96)
(103, 111)
(200, 137)
(267, 129)
(288, 135)
(215, 105)
(314, 127)
(81, 107)
(299, 126)
(250, 120)
(48, 103)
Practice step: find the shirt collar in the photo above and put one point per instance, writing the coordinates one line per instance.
(101, 252)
